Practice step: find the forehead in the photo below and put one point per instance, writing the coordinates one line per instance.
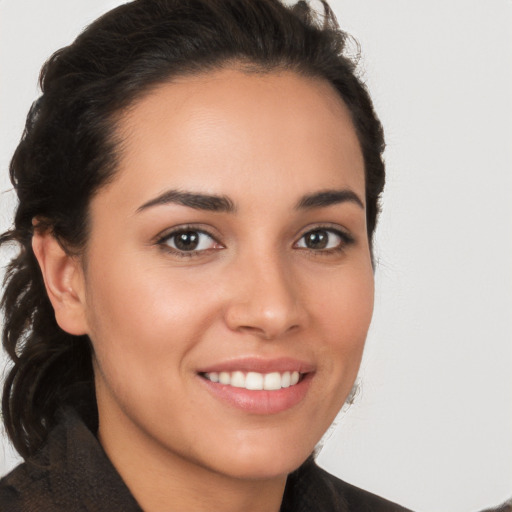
(240, 131)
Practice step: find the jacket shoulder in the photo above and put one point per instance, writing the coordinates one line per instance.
(19, 484)
(311, 488)
(358, 499)
(9, 498)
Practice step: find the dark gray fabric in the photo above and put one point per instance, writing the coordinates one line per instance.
(73, 474)
(311, 489)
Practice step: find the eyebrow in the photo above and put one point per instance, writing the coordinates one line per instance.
(198, 201)
(326, 198)
(217, 203)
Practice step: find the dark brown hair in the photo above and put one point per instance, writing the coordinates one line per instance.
(68, 151)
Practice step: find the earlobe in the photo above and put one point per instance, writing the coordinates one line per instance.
(64, 282)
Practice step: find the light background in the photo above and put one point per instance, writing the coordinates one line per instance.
(432, 425)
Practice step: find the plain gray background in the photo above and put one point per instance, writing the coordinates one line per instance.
(432, 424)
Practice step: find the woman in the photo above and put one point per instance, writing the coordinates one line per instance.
(198, 190)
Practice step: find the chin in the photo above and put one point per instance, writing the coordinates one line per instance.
(258, 464)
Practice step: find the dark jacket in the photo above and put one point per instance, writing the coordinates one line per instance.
(71, 473)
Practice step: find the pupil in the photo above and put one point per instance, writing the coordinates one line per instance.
(187, 241)
(317, 240)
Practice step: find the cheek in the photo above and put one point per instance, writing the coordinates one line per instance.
(346, 305)
(344, 317)
(141, 318)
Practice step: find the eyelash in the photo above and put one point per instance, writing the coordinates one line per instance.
(345, 240)
(163, 241)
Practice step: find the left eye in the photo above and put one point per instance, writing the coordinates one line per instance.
(321, 239)
(189, 240)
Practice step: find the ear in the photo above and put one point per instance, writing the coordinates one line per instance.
(64, 281)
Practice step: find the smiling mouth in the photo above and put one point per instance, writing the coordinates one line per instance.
(255, 381)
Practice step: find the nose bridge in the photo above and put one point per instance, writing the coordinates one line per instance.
(265, 299)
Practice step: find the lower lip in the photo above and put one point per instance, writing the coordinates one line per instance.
(260, 402)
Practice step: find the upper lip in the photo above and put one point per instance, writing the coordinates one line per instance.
(260, 365)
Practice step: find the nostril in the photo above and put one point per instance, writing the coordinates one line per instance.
(257, 331)
(268, 333)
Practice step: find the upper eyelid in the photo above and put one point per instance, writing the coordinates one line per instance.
(169, 232)
(336, 228)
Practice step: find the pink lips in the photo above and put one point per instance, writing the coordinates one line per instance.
(260, 401)
(252, 364)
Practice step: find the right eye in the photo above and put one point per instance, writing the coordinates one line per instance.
(188, 241)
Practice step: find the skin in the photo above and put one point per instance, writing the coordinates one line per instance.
(156, 317)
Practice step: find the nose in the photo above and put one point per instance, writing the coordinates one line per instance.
(265, 299)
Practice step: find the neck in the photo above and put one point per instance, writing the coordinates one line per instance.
(163, 481)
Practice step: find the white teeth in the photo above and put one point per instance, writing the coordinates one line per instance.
(272, 381)
(254, 380)
(238, 380)
(224, 378)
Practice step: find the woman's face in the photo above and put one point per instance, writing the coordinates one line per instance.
(230, 247)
